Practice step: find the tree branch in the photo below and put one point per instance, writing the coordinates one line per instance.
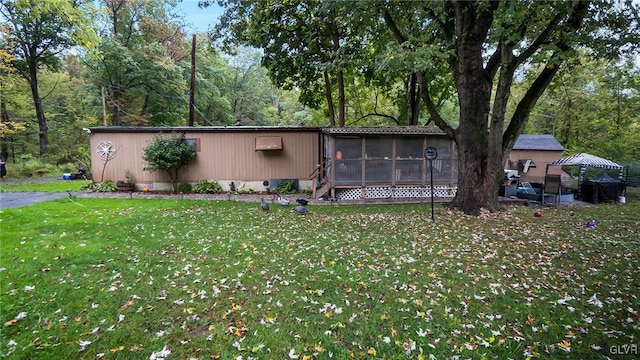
(433, 112)
(391, 24)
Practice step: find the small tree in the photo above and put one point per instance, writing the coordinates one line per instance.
(169, 154)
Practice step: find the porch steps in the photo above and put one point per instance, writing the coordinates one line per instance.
(318, 192)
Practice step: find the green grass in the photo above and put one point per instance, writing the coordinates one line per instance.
(26, 185)
(124, 278)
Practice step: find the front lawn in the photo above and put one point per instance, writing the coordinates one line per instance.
(145, 278)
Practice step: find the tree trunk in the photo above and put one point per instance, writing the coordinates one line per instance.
(43, 130)
(479, 170)
(329, 97)
(335, 38)
(115, 112)
(414, 99)
(341, 99)
(5, 140)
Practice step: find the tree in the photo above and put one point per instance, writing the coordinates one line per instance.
(169, 154)
(139, 63)
(251, 93)
(9, 93)
(484, 45)
(40, 30)
(479, 49)
(594, 108)
(302, 42)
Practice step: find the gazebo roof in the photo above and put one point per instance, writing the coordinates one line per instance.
(584, 160)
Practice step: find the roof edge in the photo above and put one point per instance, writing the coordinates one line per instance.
(191, 129)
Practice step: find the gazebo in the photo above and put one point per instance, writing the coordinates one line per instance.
(584, 160)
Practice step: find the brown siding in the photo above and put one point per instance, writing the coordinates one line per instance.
(541, 158)
(222, 156)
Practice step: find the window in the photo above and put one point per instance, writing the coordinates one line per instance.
(194, 143)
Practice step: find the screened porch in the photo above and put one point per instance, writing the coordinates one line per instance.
(388, 158)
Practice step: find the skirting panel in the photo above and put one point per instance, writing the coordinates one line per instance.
(394, 192)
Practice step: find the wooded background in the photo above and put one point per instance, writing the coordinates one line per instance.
(67, 65)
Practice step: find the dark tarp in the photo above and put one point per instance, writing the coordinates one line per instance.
(602, 188)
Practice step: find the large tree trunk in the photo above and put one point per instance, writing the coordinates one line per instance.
(479, 169)
(43, 130)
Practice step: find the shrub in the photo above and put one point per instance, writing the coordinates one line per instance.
(169, 154)
(207, 187)
(106, 186)
(185, 188)
(285, 187)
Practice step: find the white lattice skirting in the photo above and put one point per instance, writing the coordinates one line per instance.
(395, 192)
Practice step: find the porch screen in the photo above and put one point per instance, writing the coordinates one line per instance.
(409, 160)
(378, 159)
(348, 161)
(445, 165)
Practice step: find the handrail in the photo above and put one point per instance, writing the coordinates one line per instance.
(319, 169)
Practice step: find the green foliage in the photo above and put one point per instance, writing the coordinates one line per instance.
(169, 154)
(207, 187)
(593, 108)
(36, 32)
(285, 187)
(185, 188)
(35, 168)
(106, 186)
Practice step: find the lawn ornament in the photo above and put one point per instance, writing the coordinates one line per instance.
(264, 205)
(537, 214)
(300, 210)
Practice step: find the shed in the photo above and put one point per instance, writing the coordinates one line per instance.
(251, 157)
(530, 155)
(385, 162)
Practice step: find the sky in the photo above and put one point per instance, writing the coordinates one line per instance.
(198, 20)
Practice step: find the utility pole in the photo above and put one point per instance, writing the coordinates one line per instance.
(192, 87)
(104, 107)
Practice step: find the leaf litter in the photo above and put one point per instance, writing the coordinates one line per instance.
(225, 280)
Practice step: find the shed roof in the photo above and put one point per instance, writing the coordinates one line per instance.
(384, 130)
(537, 142)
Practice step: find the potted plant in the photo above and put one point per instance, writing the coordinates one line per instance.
(129, 184)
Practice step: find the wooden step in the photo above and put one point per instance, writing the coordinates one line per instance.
(322, 190)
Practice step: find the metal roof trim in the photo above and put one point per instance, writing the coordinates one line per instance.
(384, 130)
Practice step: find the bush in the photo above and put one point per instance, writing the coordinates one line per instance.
(285, 187)
(185, 188)
(106, 186)
(207, 187)
(169, 154)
